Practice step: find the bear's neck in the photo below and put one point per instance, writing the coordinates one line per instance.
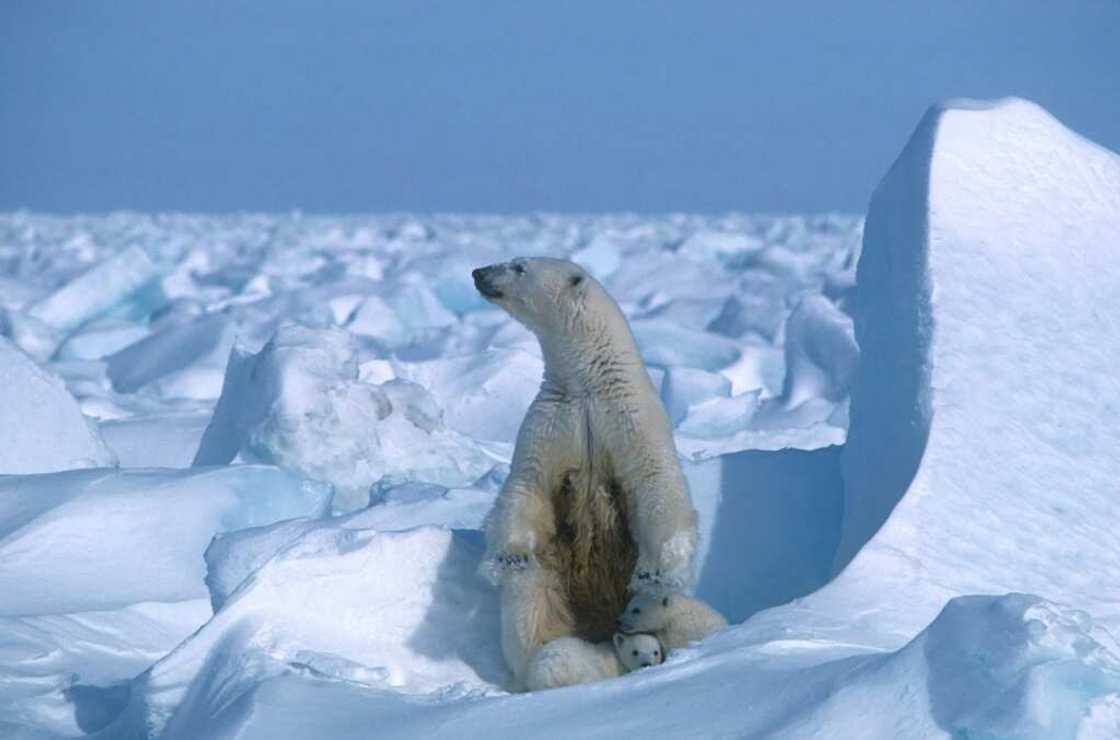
(601, 362)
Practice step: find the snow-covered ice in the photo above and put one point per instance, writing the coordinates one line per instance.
(42, 429)
(314, 414)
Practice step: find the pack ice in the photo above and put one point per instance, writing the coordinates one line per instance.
(948, 572)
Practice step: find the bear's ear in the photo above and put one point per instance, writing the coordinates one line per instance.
(575, 280)
(665, 601)
(618, 638)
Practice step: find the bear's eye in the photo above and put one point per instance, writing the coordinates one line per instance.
(635, 610)
(656, 653)
(575, 280)
(519, 269)
(635, 653)
(665, 601)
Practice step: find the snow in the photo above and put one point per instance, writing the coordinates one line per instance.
(332, 409)
(42, 429)
(300, 404)
(78, 528)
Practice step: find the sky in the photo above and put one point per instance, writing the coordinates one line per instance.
(511, 106)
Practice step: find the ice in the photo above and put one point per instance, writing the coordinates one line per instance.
(299, 404)
(684, 387)
(102, 539)
(108, 284)
(601, 258)
(104, 338)
(979, 464)
(720, 417)
(400, 611)
(187, 359)
(232, 557)
(821, 352)
(978, 458)
(42, 429)
(160, 441)
(666, 344)
(486, 394)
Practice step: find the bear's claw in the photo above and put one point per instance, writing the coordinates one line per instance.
(512, 561)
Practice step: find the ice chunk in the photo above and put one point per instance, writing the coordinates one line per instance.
(159, 441)
(684, 387)
(101, 539)
(42, 430)
(981, 455)
(664, 343)
(298, 403)
(403, 611)
(759, 304)
(821, 352)
(601, 258)
(37, 338)
(189, 358)
(95, 342)
(720, 417)
(96, 291)
(401, 315)
(1014, 666)
(484, 395)
(733, 250)
(233, 557)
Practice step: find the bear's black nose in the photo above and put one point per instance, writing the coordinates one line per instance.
(484, 280)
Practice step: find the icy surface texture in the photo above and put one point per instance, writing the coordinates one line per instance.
(979, 463)
(982, 414)
(42, 429)
(299, 404)
(400, 610)
(92, 540)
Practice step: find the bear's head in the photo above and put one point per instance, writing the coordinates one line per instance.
(551, 297)
(646, 612)
(638, 650)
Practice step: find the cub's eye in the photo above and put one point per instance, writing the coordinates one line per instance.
(635, 610)
(519, 269)
(656, 653)
(635, 653)
(575, 280)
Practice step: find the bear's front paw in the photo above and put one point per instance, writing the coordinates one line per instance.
(511, 561)
(648, 578)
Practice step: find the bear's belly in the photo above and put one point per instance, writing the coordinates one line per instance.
(593, 551)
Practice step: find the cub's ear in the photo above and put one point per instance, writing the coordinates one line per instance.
(665, 601)
(575, 280)
(618, 638)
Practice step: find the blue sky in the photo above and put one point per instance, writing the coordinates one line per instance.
(343, 106)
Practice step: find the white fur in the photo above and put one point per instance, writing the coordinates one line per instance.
(567, 661)
(596, 403)
(674, 618)
(638, 650)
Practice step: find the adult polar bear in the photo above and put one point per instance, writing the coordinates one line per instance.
(596, 506)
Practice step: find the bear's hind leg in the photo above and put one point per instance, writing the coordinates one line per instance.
(535, 610)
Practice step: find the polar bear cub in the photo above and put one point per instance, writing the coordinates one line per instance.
(567, 661)
(674, 618)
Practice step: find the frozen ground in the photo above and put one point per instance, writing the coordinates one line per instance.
(311, 416)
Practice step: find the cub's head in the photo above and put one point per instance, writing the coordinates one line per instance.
(638, 650)
(646, 612)
(547, 295)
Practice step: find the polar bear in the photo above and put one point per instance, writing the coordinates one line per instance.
(567, 661)
(595, 507)
(674, 618)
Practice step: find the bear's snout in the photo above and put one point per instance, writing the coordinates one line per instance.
(484, 280)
